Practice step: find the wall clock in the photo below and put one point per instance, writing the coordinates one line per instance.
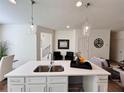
(98, 43)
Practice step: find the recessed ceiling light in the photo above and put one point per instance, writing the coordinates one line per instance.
(79, 3)
(68, 27)
(12, 1)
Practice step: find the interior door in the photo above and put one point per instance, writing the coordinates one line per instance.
(45, 45)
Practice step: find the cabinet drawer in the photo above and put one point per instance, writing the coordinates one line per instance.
(102, 79)
(16, 88)
(16, 80)
(33, 80)
(57, 79)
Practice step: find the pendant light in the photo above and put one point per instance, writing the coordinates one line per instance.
(13, 1)
(32, 14)
(86, 32)
(79, 3)
(86, 26)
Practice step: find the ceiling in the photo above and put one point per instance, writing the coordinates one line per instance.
(57, 14)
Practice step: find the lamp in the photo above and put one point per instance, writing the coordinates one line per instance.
(32, 16)
(86, 26)
(86, 32)
(13, 1)
(79, 3)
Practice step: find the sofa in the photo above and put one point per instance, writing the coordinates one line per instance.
(106, 64)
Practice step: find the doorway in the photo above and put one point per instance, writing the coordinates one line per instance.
(117, 46)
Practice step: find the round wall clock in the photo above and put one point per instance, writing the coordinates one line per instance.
(98, 43)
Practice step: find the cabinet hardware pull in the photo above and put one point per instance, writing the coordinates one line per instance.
(44, 89)
(21, 90)
(98, 88)
(50, 89)
(15, 81)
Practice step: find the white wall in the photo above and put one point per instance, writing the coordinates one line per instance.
(89, 50)
(22, 42)
(67, 34)
(0, 32)
(82, 43)
(100, 52)
(117, 46)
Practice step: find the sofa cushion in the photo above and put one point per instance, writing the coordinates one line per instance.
(100, 62)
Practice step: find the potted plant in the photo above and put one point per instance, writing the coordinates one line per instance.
(3, 49)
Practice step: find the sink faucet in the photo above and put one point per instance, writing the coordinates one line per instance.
(51, 61)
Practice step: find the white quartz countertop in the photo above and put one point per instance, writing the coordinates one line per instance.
(28, 68)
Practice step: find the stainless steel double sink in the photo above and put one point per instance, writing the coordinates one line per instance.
(47, 68)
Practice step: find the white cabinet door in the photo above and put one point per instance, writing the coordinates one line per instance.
(36, 88)
(102, 83)
(102, 87)
(57, 88)
(16, 88)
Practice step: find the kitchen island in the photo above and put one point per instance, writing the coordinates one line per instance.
(25, 79)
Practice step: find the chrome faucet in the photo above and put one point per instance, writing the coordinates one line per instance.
(51, 61)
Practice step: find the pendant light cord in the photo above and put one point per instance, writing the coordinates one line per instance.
(32, 12)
